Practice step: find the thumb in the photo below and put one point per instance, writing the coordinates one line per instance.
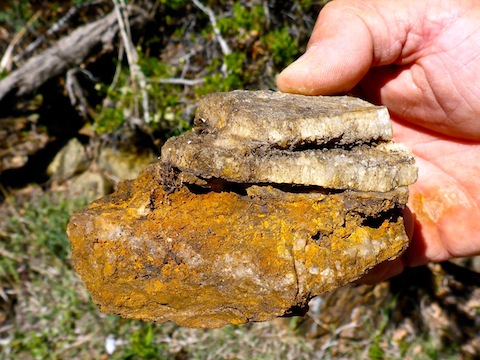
(341, 49)
(339, 55)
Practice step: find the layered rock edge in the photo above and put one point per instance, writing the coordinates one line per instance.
(270, 137)
(202, 249)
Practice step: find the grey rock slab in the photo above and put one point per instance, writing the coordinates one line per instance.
(289, 120)
(266, 137)
(364, 168)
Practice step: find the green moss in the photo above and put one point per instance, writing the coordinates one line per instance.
(243, 21)
(282, 46)
(123, 101)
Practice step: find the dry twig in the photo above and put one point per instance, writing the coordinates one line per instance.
(132, 56)
(76, 93)
(226, 50)
(179, 81)
(213, 20)
(6, 62)
(69, 52)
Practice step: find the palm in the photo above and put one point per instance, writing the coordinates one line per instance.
(435, 84)
(445, 200)
(434, 89)
(421, 60)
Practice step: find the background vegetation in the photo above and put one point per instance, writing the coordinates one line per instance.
(134, 96)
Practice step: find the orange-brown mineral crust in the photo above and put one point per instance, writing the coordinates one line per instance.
(183, 246)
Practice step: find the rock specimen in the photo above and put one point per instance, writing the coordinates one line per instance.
(270, 201)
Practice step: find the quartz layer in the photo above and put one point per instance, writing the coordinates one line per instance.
(288, 120)
(268, 137)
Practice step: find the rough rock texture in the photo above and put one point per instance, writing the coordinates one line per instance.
(184, 245)
(288, 120)
(222, 257)
(268, 137)
(382, 167)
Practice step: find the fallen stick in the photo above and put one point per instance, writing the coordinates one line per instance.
(71, 51)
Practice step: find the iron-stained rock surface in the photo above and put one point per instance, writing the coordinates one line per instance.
(205, 248)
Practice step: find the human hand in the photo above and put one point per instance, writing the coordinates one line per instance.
(421, 59)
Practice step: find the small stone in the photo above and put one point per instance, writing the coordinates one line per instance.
(122, 164)
(90, 185)
(70, 160)
(272, 200)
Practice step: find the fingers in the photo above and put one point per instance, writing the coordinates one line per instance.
(382, 272)
(349, 38)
